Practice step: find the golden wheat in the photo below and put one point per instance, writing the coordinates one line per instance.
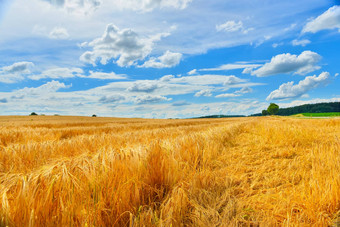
(78, 171)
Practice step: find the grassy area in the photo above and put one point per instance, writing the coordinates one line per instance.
(331, 114)
(77, 171)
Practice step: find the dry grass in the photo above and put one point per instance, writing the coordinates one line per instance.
(71, 171)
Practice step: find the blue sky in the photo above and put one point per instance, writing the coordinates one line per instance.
(166, 58)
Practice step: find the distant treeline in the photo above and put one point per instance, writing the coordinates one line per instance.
(308, 108)
(221, 116)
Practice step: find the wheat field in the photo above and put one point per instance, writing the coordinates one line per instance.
(81, 171)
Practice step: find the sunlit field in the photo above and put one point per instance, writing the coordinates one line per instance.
(79, 171)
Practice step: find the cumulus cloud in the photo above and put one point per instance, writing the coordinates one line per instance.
(149, 5)
(112, 99)
(233, 26)
(19, 67)
(288, 63)
(205, 92)
(105, 76)
(147, 99)
(290, 91)
(167, 78)
(247, 70)
(302, 42)
(59, 33)
(14, 72)
(143, 86)
(168, 60)
(58, 73)
(47, 88)
(76, 6)
(123, 46)
(328, 20)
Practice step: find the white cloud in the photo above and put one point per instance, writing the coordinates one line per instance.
(232, 67)
(328, 20)
(167, 60)
(336, 74)
(291, 27)
(63, 73)
(244, 90)
(92, 101)
(171, 85)
(58, 73)
(206, 93)
(143, 86)
(227, 95)
(288, 63)
(105, 76)
(231, 80)
(18, 67)
(14, 72)
(44, 89)
(192, 72)
(125, 46)
(208, 79)
(191, 36)
(290, 91)
(112, 99)
(149, 5)
(166, 78)
(274, 45)
(10, 78)
(76, 6)
(181, 103)
(237, 93)
(302, 42)
(230, 26)
(233, 26)
(247, 70)
(59, 33)
(147, 99)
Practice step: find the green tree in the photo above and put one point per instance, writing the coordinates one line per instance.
(273, 109)
(33, 114)
(264, 112)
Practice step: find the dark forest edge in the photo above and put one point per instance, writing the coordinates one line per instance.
(308, 108)
(305, 109)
